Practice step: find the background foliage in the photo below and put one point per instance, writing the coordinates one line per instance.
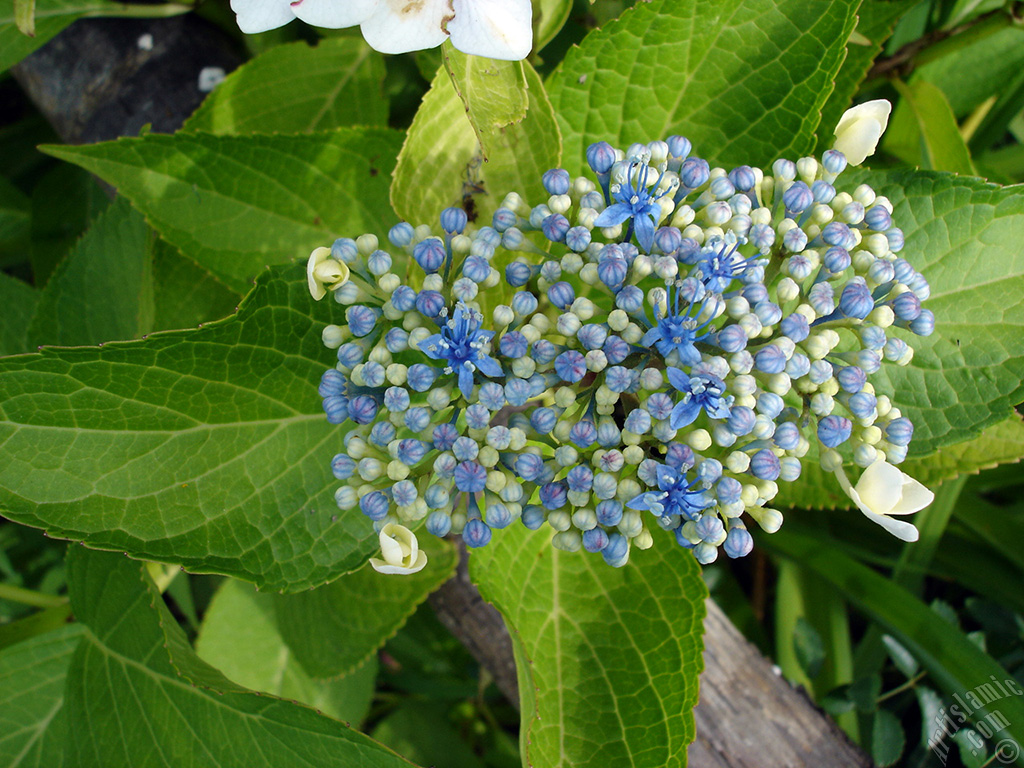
(196, 439)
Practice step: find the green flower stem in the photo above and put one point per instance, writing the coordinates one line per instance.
(30, 597)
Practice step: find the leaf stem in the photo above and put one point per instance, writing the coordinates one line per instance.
(30, 597)
(902, 687)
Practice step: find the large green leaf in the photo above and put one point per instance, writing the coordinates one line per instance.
(51, 16)
(441, 162)
(239, 636)
(336, 627)
(237, 203)
(205, 448)
(744, 80)
(923, 131)
(955, 663)
(493, 92)
(964, 236)
(549, 17)
(32, 677)
(138, 695)
(15, 221)
(298, 88)
(188, 295)
(103, 289)
(608, 658)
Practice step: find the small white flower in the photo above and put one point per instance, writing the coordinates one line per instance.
(401, 551)
(884, 490)
(324, 273)
(499, 29)
(860, 129)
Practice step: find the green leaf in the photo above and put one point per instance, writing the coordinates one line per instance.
(32, 720)
(608, 658)
(810, 650)
(964, 236)
(188, 295)
(204, 448)
(298, 88)
(15, 220)
(549, 16)
(901, 657)
(887, 739)
(334, 628)
(25, 16)
(138, 694)
(441, 165)
(954, 662)
(103, 289)
(494, 93)
(924, 132)
(239, 636)
(237, 203)
(51, 16)
(744, 80)
(18, 299)
(422, 733)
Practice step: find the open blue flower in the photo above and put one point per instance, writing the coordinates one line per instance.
(677, 330)
(637, 204)
(674, 498)
(461, 342)
(699, 391)
(720, 264)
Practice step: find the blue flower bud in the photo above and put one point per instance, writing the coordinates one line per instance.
(741, 420)
(555, 227)
(787, 436)
(592, 336)
(378, 262)
(543, 351)
(795, 240)
(770, 359)
(498, 515)
(732, 338)
(453, 221)
(834, 430)
(478, 417)
(583, 434)
(465, 448)
(638, 421)
(722, 188)
(361, 320)
(401, 234)
(524, 303)
(492, 396)
(616, 350)
(430, 303)
(833, 161)
(561, 295)
(795, 327)
(660, 405)
(822, 298)
(612, 272)
(421, 377)
(764, 465)
(517, 392)
(898, 431)
(784, 169)
(411, 451)
(862, 405)
(344, 249)
(770, 404)
(595, 539)
(332, 382)
(337, 409)
(417, 419)
(404, 493)
(396, 340)
(342, 466)
(754, 293)
(608, 434)
(439, 523)
(629, 299)
(822, 191)
(580, 478)
(616, 551)
(709, 527)
(678, 147)
(476, 534)
(556, 181)
(543, 420)
(851, 379)
(513, 345)
(609, 512)
(820, 372)
(895, 349)
(382, 434)
(375, 505)
(743, 178)
(856, 300)
(679, 456)
(571, 366)
(694, 172)
(761, 236)
(532, 517)
(601, 157)
(799, 365)
(444, 436)
(906, 306)
(529, 466)
(738, 542)
(729, 490)
(895, 237)
(470, 477)
(437, 497)
(837, 233)
(768, 313)
(503, 219)
(374, 374)
(362, 409)
(797, 198)
(709, 471)
(618, 379)
(553, 496)
(577, 239)
(517, 274)
(429, 254)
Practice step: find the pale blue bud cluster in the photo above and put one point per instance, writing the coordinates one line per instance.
(658, 348)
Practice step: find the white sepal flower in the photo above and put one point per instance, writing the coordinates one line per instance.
(324, 273)
(400, 550)
(499, 29)
(860, 128)
(885, 490)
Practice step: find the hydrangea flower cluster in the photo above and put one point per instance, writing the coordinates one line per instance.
(656, 347)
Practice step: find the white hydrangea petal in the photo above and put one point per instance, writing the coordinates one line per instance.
(877, 110)
(898, 528)
(860, 128)
(260, 15)
(335, 14)
(498, 29)
(879, 487)
(390, 547)
(381, 567)
(400, 26)
(915, 497)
